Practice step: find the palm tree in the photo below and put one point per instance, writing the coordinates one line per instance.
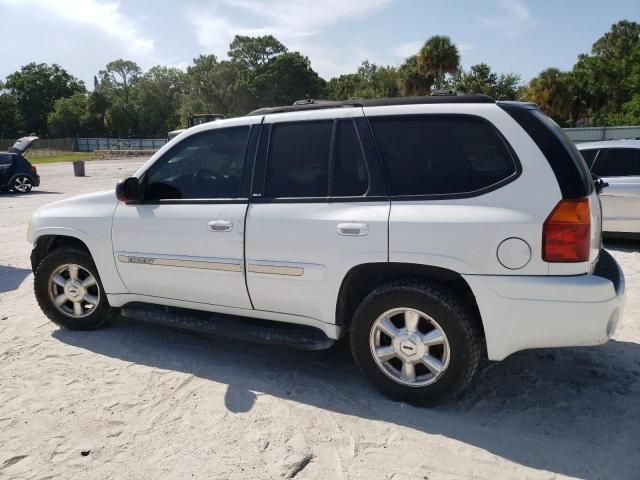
(410, 81)
(554, 92)
(438, 56)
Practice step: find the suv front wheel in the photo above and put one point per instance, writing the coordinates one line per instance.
(69, 290)
(416, 342)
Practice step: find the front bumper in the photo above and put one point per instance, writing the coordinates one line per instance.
(523, 312)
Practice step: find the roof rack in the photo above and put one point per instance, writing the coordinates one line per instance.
(311, 104)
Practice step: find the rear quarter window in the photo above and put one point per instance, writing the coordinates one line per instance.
(442, 155)
(5, 159)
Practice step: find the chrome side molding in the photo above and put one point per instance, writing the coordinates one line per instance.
(177, 262)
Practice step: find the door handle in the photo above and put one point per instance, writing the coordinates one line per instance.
(220, 226)
(352, 229)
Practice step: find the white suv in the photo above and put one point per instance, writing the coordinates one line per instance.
(425, 230)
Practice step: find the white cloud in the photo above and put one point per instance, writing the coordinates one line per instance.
(405, 50)
(104, 17)
(294, 22)
(306, 17)
(464, 47)
(512, 19)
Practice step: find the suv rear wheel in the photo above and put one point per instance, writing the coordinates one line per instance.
(416, 342)
(69, 291)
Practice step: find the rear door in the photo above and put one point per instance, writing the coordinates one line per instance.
(6, 167)
(318, 208)
(620, 168)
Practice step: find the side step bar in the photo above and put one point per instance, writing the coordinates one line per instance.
(265, 332)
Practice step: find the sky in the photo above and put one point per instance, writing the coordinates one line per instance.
(512, 36)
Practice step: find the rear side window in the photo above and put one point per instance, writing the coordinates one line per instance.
(589, 156)
(315, 159)
(298, 163)
(622, 162)
(441, 155)
(5, 159)
(349, 174)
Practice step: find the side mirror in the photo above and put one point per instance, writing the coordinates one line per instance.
(128, 190)
(599, 183)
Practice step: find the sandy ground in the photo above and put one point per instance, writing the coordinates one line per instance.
(133, 401)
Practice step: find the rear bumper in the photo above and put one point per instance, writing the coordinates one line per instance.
(523, 312)
(36, 180)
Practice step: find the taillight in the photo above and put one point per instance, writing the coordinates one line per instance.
(34, 169)
(566, 234)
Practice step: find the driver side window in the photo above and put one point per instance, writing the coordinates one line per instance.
(203, 166)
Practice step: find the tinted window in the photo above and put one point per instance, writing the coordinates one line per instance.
(589, 156)
(349, 174)
(435, 155)
(298, 164)
(618, 163)
(206, 165)
(5, 159)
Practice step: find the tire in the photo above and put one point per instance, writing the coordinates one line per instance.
(50, 276)
(440, 370)
(21, 184)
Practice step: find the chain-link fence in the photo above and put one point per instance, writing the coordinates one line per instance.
(45, 147)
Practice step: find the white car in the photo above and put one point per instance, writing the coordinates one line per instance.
(425, 230)
(617, 162)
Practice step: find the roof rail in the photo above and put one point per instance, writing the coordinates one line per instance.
(311, 104)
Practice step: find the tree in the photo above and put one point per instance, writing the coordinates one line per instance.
(554, 92)
(410, 81)
(254, 52)
(371, 81)
(479, 79)
(630, 114)
(438, 57)
(69, 115)
(97, 106)
(36, 87)
(211, 86)
(285, 79)
(158, 94)
(119, 77)
(345, 87)
(605, 80)
(116, 83)
(9, 126)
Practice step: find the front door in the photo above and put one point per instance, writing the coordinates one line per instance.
(184, 240)
(318, 208)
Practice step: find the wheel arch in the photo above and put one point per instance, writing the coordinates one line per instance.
(20, 174)
(47, 243)
(361, 279)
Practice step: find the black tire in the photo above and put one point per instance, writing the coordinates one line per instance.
(453, 316)
(26, 180)
(68, 255)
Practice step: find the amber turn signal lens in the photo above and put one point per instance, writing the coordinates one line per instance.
(566, 234)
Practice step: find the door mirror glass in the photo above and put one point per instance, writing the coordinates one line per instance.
(128, 190)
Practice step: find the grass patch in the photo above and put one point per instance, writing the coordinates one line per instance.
(67, 157)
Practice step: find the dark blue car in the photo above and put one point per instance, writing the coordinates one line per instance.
(16, 173)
